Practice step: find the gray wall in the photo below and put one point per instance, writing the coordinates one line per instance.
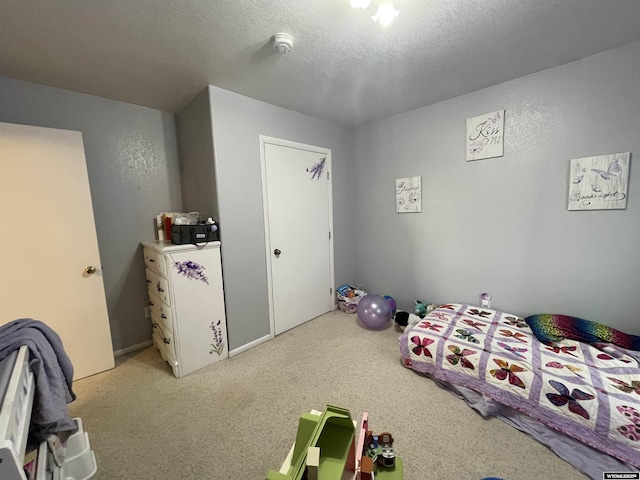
(237, 123)
(501, 225)
(132, 164)
(498, 225)
(195, 146)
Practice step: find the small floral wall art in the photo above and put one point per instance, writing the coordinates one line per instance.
(485, 135)
(599, 183)
(409, 195)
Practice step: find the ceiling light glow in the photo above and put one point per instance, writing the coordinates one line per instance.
(386, 13)
(360, 3)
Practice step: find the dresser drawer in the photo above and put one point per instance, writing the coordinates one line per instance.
(155, 262)
(161, 312)
(164, 343)
(158, 286)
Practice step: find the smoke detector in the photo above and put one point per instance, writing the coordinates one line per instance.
(282, 43)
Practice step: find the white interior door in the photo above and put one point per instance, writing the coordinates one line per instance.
(48, 239)
(298, 216)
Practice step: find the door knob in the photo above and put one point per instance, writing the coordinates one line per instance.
(277, 252)
(90, 270)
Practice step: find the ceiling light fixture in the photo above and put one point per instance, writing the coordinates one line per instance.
(360, 3)
(386, 13)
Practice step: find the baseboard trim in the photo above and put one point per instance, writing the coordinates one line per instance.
(248, 346)
(132, 348)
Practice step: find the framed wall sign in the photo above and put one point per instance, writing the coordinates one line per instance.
(599, 183)
(485, 135)
(409, 195)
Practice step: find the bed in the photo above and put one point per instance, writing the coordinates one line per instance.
(581, 401)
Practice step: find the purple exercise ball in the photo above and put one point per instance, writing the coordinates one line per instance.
(374, 312)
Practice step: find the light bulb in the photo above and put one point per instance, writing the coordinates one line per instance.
(360, 3)
(386, 13)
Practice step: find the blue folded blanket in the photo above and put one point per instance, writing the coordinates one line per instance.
(53, 374)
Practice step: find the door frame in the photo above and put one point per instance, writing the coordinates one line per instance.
(264, 140)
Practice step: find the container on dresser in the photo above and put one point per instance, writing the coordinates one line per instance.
(186, 299)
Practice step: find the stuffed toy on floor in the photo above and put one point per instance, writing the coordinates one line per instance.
(423, 308)
(406, 320)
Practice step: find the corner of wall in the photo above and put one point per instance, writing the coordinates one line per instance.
(194, 130)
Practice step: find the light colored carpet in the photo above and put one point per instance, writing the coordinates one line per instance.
(237, 419)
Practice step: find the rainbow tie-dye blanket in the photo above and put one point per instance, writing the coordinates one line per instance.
(551, 327)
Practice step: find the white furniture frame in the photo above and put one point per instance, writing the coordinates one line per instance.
(17, 389)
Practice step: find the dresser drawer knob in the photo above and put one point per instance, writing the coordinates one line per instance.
(151, 304)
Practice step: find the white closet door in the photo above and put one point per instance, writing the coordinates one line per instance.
(49, 239)
(298, 197)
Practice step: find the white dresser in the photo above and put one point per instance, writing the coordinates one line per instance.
(186, 298)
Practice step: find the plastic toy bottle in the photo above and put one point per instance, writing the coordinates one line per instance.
(212, 224)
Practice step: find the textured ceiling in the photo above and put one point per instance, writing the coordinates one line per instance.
(344, 67)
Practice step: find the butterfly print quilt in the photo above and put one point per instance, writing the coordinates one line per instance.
(589, 393)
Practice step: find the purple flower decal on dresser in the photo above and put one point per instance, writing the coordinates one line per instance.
(191, 270)
(218, 344)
